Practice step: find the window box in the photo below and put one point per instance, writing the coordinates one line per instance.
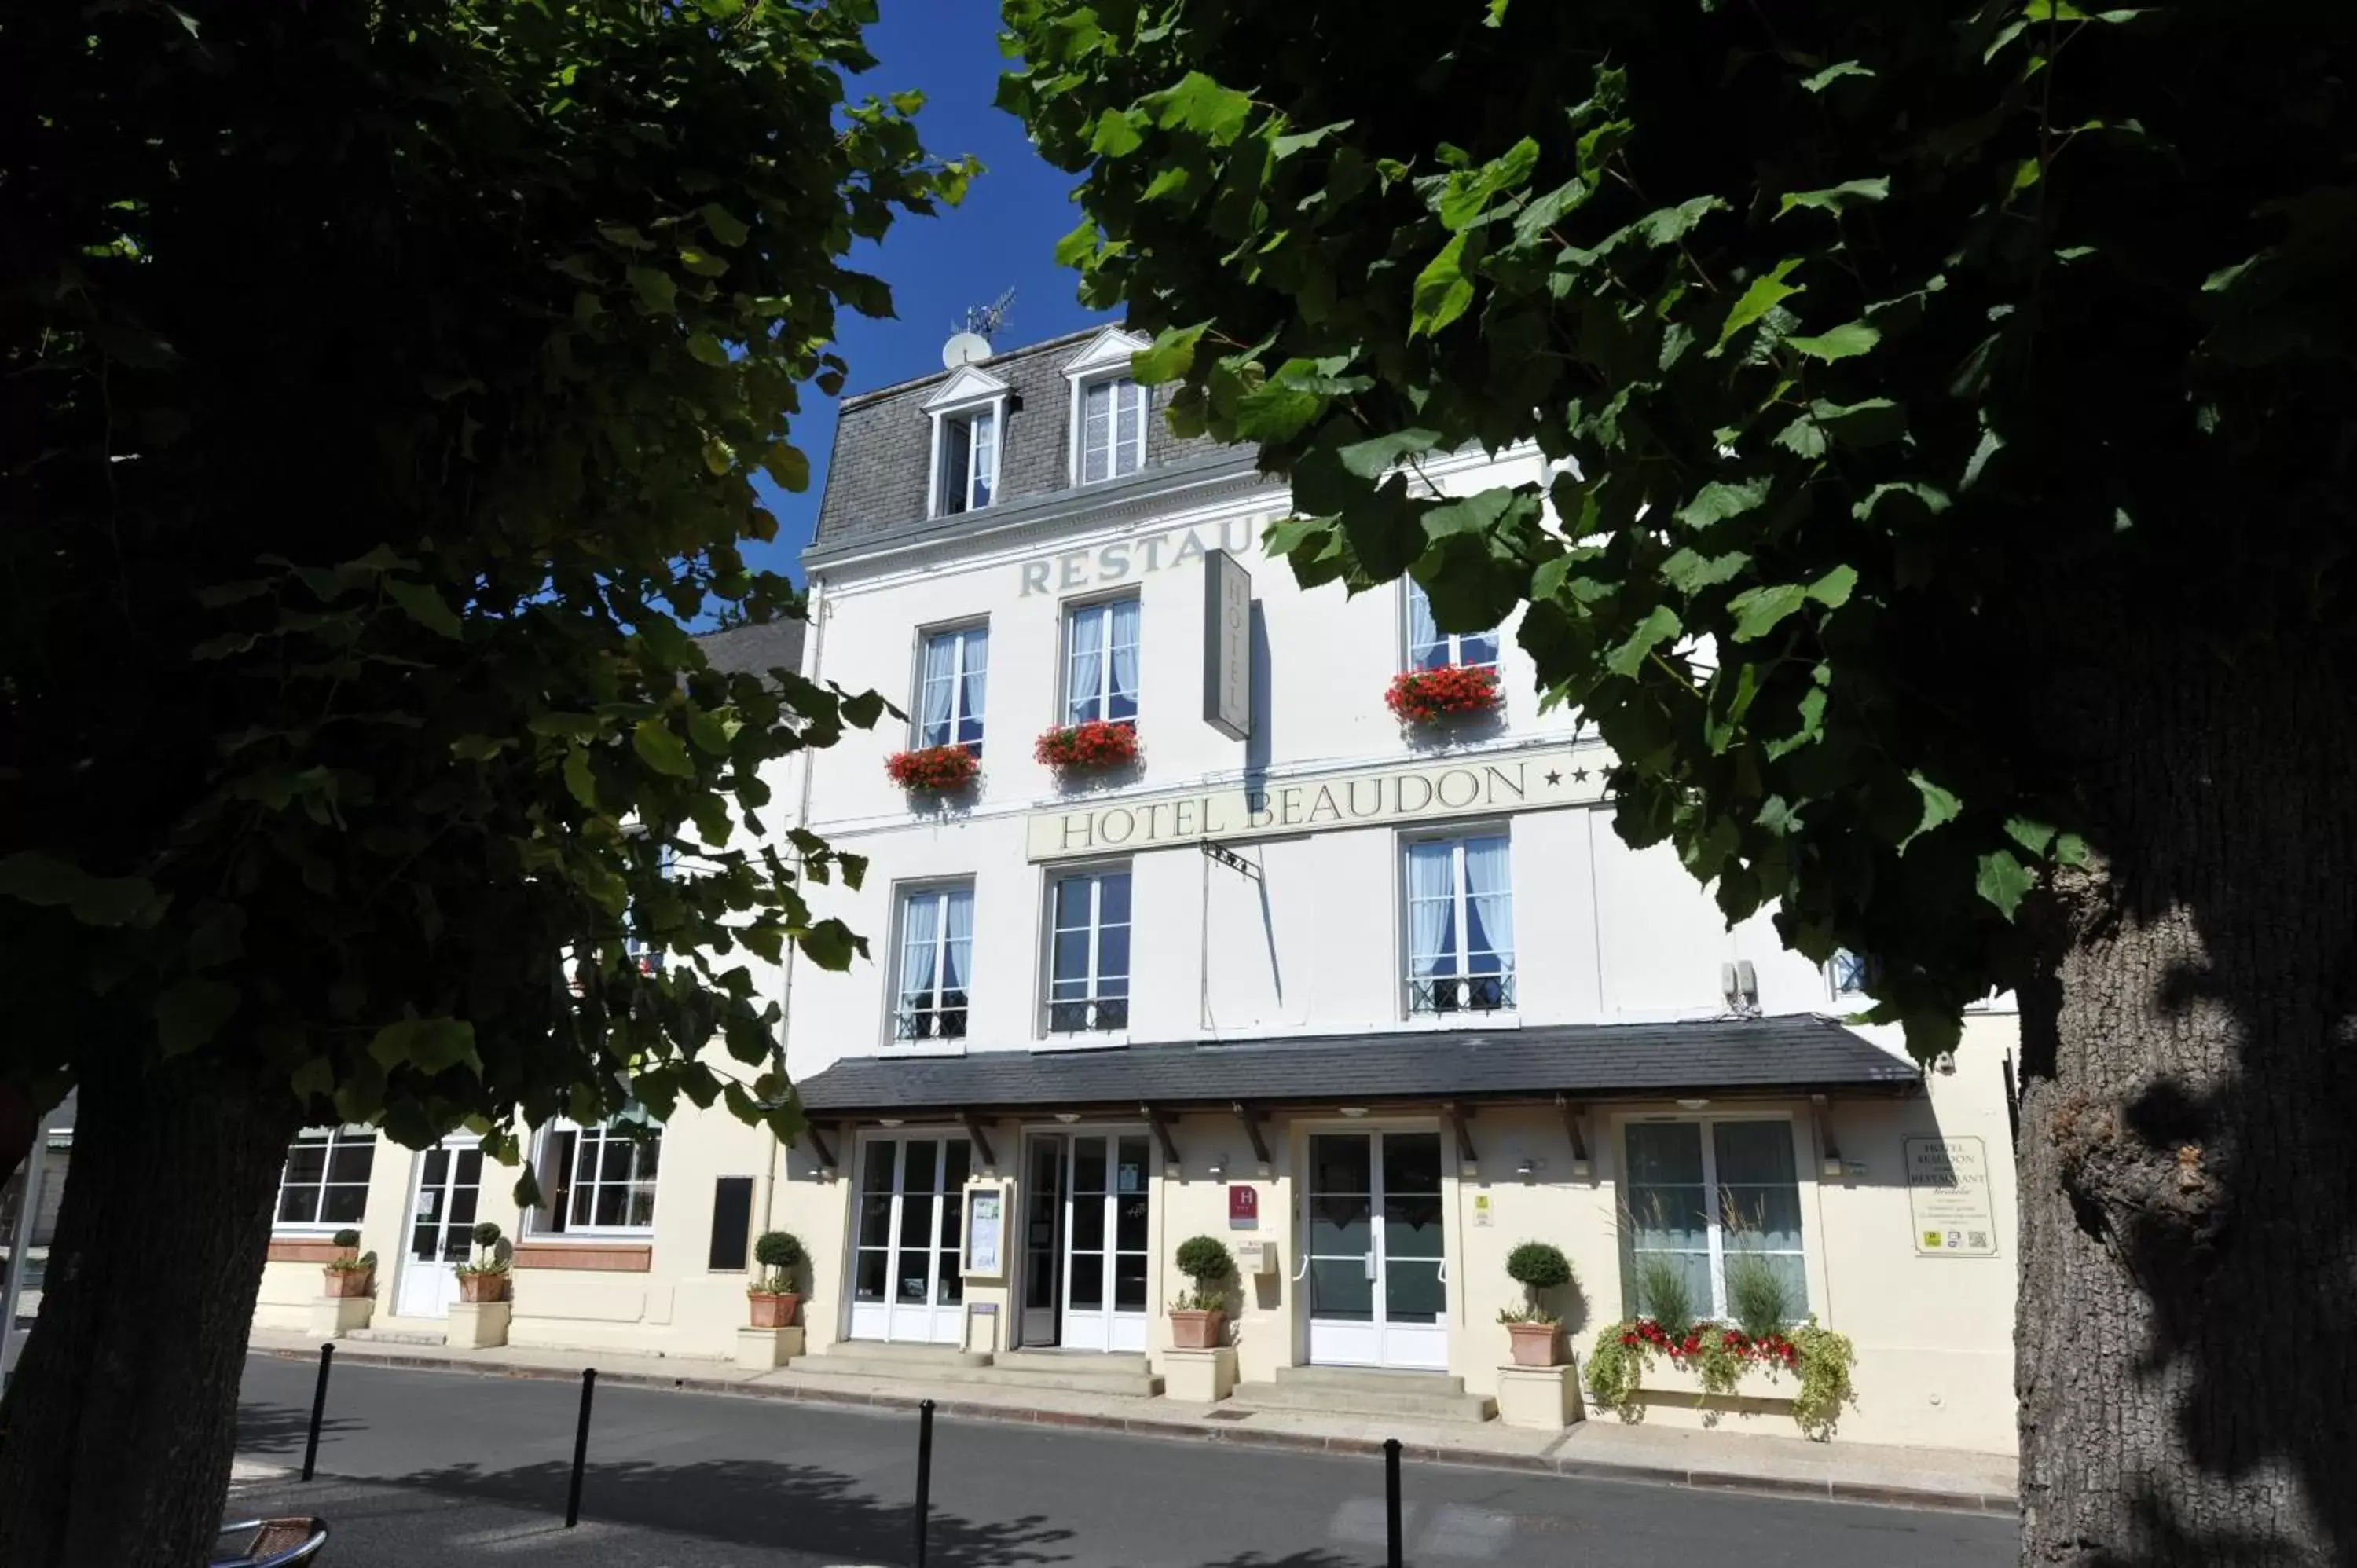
(1451, 690)
(1805, 1373)
(934, 770)
(1096, 745)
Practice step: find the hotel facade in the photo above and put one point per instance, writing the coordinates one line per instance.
(1372, 1000)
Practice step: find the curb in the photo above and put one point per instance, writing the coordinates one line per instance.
(1828, 1490)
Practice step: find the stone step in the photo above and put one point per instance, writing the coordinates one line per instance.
(1338, 1391)
(1076, 1371)
(929, 1365)
(874, 1358)
(1069, 1360)
(396, 1337)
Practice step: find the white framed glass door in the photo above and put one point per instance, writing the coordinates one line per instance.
(1106, 1239)
(1043, 1237)
(442, 1203)
(1378, 1274)
(904, 1280)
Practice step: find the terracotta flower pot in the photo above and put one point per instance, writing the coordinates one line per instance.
(348, 1281)
(1196, 1330)
(482, 1286)
(1536, 1343)
(773, 1309)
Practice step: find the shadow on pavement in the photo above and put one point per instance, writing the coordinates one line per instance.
(276, 1430)
(1290, 1560)
(799, 1508)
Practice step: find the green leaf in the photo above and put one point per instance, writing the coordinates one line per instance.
(704, 347)
(1838, 198)
(660, 749)
(1171, 356)
(421, 603)
(1833, 73)
(1442, 291)
(709, 732)
(788, 468)
(430, 1045)
(192, 1011)
(1691, 572)
(1658, 627)
(480, 748)
(1833, 589)
(1939, 805)
(1199, 105)
(1372, 459)
(1844, 342)
(45, 880)
(1668, 225)
(1764, 294)
(1116, 134)
(2033, 836)
(658, 290)
(577, 777)
(2003, 881)
(723, 225)
(1758, 610)
(1718, 501)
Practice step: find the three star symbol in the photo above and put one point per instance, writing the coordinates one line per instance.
(1554, 777)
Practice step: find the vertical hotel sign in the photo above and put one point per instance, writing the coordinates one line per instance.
(1227, 645)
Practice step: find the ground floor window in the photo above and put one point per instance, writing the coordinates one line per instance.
(326, 1180)
(597, 1180)
(905, 1258)
(1706, 1200)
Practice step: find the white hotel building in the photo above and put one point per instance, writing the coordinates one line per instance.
(1371, 1003)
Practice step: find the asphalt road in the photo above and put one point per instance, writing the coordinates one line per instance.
(732, 1480)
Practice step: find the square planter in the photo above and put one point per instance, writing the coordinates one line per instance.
(1199, 1377)
(333, 1316)
(1536, 1343)
(348, 1281)
(483, 1286)
(773, 1309)
(767, 1349)
(1196, 1330)
(1542, 1399)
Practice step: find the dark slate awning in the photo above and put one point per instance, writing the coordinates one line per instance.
(1788, 1054)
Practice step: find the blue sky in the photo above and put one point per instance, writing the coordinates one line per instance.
(1003, 237)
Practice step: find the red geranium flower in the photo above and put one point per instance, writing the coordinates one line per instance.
(941, 768)
(1420, 696)
(1088, 748)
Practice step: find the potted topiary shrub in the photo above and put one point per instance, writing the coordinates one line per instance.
(485, 1276)
(772, 1297)
(1199, 1315)
(1536, 1332)
(352, 1273)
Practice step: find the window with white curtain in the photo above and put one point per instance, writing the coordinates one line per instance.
(936, 963)
(1088, 950)
(1460, 925)
(1429, 647)
(1101, 661)
(1113, 428)
(968, 462)
(949, 688)
(1702, 1192)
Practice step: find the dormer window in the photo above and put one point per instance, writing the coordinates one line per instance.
(969, 416)
(1109, 409)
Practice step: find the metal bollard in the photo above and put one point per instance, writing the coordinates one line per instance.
(318, 1409)
(924, 1474)
(1391, 1555)
(580, 1447)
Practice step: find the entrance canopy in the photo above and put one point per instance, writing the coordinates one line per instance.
(1795, 1054)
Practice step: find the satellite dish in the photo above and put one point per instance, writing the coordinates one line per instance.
(964, 348)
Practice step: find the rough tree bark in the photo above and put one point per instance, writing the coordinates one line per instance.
(117, 1431)
(2188, 1122)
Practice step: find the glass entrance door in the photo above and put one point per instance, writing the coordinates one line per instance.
(1378, 1274)
(441, 1226)
(1107, 1240)
(905, 1279)
(1043, 1237)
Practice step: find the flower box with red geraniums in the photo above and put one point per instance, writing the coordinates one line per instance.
(1709, 1360)
(1091, 747)
(941, 769)
(1425, 696)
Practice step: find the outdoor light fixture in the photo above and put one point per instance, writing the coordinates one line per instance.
(1692, 1104)
(1354, 1110)
(890, 1122)
(1526, 1168)
(1068, 1117)
(1218, 1166)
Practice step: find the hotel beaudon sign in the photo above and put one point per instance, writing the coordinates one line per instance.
(1474, 785)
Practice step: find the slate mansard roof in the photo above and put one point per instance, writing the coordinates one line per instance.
(756, 650)
(1733, 1056)
(877, 481)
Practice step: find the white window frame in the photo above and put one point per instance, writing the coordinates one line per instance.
(1102, 702)
(902, 896)
(926, 635)
(1106, 358)
(1457, 838)
(968, 395)
(1861, 970)
(1715, 1222)
(584, 1136)
(335, 1138)
(1454, 641)
(1089, 1004)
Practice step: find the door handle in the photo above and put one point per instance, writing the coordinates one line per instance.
(1370, 1265)
(1302, 1272)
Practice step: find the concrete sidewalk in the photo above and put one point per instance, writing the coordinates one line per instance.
(1605, 1448)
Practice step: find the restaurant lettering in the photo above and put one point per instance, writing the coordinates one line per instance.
(1076, 571)
(1472, 786)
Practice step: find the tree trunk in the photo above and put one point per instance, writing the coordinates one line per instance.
(117, 1430)
(2189, 1123)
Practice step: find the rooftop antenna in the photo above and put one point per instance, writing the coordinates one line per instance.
(969, 343)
